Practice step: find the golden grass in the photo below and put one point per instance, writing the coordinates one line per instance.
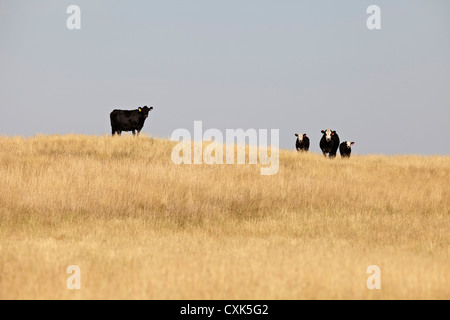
(141, 227)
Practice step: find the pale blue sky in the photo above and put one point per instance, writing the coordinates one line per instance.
(297, 66)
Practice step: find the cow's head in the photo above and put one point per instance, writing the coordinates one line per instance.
(349, 144)
(145, 110)
(328, 134)
(300, 136)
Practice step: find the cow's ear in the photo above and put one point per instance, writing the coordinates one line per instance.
(151, 108)
(352, 143)
(323, 131)
(296, 135)
(140, 110)
(304, 135)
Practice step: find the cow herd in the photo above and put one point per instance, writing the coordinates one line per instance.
(329, 144)
(133, 120)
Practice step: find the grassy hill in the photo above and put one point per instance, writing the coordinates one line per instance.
(140, 226)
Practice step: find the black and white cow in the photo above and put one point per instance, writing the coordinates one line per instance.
(129, 120)
(302, 142)
(329, 143)
(346, 149)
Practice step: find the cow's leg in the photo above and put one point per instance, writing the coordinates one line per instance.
(138, 132)
(113, 132)
(119, 133)
(134, 132)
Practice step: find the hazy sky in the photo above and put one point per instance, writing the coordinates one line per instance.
(297, 66)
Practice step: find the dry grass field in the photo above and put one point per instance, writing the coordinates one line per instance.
(140, 227)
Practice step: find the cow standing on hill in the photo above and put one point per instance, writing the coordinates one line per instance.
(329, 143)
(346, 149)
(129, 120)
(302, 142)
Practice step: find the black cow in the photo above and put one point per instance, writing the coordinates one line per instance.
(302, 142)
(129, 120)
(346, 149)
(329, 143)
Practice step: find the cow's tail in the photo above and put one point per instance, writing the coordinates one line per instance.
(111, 118)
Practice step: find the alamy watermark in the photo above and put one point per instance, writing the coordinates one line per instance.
(74, 281)
(374, 280)
(73, 22)
(213, 152)
(374, 20)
